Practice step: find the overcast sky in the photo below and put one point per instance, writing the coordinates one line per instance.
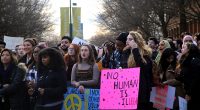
(89, 11)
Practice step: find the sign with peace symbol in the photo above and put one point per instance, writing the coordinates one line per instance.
(72, 102)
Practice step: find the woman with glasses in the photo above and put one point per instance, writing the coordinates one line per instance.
(71, 58)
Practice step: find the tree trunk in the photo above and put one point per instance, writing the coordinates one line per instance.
(182, 16)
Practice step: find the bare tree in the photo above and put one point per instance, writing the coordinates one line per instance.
(100, 38)
(192, 10)
(150, 16)
(25, 18)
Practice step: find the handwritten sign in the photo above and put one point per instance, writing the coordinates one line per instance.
(182, 103)
(79, 41)
(91, 99)
(119, 88)
(160, 98)
(74, 100)
(163, 97)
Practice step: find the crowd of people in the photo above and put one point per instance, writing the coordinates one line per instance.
(36, 76)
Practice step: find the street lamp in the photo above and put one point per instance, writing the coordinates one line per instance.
(70, 21)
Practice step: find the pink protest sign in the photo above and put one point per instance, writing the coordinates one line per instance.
(119, 88)
(160, 98)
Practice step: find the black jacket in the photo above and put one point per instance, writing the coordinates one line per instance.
(146, 77)
(189, 74)
(16, 91)
(24, 58)
(54, 84)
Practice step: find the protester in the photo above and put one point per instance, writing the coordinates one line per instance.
(153, 44)
(65, 42)
(162, 46)
(29, 44)
(12, 86)
(167, 63)
(43, 43)
(51, 84)
(141, 57)
(108, 48)
(31, 76)
(20, 51)
(119, 57)
(85, 73)
(189, 74)
(2, 45)
(71, 58)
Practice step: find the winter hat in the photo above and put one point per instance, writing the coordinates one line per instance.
(122, 37)
(2, 42)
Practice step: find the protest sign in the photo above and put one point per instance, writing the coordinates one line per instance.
(91, 99)
(119, 88)
(79, 41)
(11, 42)
(182, 103)
(73, 100)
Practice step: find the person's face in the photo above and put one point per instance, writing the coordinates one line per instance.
(43, 44)
(71, 50)
(151, 44)
(28, 47)
(119, 45)
(5, 57)
(188, 40)
(85, 52)
(170, 59)
(184, 49)
(45, 60)
(35, 53)
(65, 44)
(20, 50)
(129, 38)
(2, 46)
(161, 46)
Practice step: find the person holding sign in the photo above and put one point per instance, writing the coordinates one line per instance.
(85, 73)
(189, 74)
(141, 57)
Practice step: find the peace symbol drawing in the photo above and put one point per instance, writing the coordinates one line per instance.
(72, 102)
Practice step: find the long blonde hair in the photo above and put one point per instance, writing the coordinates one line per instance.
(144, 50)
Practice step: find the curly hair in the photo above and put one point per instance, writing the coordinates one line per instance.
(142, 46)
(56, 60)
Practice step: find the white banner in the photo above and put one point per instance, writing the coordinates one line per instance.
(11, 42)
(79, 41)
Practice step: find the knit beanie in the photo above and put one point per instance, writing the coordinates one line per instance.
(122, 37)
